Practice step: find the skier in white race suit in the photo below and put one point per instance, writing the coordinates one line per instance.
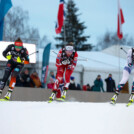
(126, 72)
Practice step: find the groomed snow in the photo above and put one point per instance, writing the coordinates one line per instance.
(65, 118)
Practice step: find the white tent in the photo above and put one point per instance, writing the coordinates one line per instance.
(103, 63)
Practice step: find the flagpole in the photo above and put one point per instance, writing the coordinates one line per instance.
(119, 58)
(119, 43)
(64, 33)
(120, 21)
(64, 27)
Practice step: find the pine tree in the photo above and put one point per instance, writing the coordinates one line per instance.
(74, 29)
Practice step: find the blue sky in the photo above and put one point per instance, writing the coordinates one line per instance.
(99, 16)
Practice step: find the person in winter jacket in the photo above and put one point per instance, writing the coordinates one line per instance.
(98, 84)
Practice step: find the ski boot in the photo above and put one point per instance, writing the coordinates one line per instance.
(63, 95)
(131, 100)
(51, 98)
(7, 96)
(114, 98)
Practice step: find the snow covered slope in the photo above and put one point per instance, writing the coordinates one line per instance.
(65, 118)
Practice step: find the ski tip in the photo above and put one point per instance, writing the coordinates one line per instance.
(50, 101)
(128, 104)
(60, 100)
(112, 103)
(4, 100)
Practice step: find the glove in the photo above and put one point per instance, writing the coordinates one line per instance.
(130, 64)
(71, 67)
(65, 62)
(26, 62)
(9, 57)
(19, 60)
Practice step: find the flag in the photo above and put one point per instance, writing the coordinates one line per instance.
(45, 64)
(5, 5)
(60, 17)
(120, 22)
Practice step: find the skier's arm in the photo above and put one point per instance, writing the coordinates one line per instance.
(26, 57)
(75, 59)
(8, 49)
(58, 59)
(129, 56)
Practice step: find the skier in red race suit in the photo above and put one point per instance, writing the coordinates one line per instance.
(65, 62)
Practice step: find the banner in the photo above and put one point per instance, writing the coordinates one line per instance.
(45, 64)
(5, 5)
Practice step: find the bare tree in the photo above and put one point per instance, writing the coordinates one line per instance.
(16, 25)
(110, 39)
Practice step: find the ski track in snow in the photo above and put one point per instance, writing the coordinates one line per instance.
(66, 118)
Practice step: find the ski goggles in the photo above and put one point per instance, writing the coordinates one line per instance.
(18, 47)
(69, 48)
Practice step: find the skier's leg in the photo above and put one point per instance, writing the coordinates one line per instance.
(68, 74)
(7, 73)
(125, 77)
(12, 83)
(131, 98)
(60, 90)
(59, 79)
(11, 87)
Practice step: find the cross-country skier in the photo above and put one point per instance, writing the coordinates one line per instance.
(17, 56)
(126, 72)
(65, 62)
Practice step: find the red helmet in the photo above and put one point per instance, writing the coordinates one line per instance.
(18, 44)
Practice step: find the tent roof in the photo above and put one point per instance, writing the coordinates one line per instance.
(95, 60)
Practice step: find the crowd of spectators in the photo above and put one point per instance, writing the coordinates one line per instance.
(25, 79)
(97, 86)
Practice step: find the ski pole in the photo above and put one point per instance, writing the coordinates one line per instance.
(123, 50)
(78, 59)
(33, 53)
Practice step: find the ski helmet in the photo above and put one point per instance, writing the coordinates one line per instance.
(18, 44)
(69, 47)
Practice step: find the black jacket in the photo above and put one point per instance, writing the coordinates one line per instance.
(110, 83)
(23, 53)
(27, 81)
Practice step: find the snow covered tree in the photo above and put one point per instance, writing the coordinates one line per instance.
(74, 29)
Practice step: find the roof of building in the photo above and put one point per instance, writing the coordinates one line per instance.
(103, 60)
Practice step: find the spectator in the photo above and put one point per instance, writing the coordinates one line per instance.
(72, 85)
(98, 84)
(51, 80)
(27, 81)
(88, 87)
(19, 81)
(52, 77)
(78, 87)
(110, 84)
(35, 78)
